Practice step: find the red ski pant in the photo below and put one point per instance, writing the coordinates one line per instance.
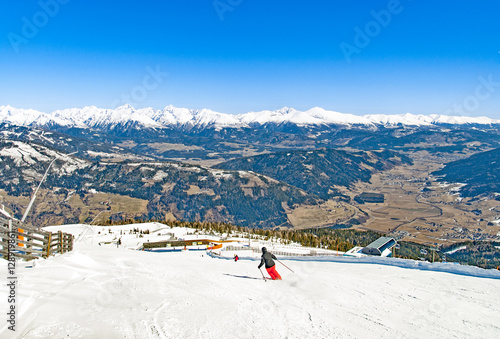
(273, 273)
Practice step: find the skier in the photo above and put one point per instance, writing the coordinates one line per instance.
(236, 257)
(267, 259)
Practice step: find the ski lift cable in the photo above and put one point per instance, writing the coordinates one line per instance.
(36, 191)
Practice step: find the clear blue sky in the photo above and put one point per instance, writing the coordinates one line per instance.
(426, 57)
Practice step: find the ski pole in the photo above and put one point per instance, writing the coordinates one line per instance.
(285, 265)
(263, 277)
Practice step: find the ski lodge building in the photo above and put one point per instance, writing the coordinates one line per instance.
(381, 247)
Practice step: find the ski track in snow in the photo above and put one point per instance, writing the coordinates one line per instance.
(108, 292)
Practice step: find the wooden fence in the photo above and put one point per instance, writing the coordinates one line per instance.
(28, 242)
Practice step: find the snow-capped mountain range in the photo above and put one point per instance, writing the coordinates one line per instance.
(93, 117)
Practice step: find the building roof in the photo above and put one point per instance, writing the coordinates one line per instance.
(380, 242)
(379, 246)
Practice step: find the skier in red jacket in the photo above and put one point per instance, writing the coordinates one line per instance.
(267, 259)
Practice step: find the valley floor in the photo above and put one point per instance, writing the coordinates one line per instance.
(108, 292)
(420, 209)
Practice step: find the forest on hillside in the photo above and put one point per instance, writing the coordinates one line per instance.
(319, 171)
(480, 172)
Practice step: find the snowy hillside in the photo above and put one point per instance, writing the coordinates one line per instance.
(188, 118)
(103, 291)
(25, 155)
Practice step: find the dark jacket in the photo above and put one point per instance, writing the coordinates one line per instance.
(267, 258)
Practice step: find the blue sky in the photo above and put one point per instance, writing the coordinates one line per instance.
(235, 56)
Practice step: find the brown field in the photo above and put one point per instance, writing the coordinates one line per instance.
(194, 189)
(327, 214)
(420, 209)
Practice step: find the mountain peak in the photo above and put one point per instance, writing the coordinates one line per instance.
(285, 110)
(125, 107)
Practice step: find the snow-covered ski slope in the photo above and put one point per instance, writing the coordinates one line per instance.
(102, 291)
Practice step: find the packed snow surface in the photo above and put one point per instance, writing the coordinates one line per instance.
(100, 290)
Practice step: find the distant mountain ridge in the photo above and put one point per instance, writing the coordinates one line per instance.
(319, 172)
(480, 174)
(185, 191)
(172, 117)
